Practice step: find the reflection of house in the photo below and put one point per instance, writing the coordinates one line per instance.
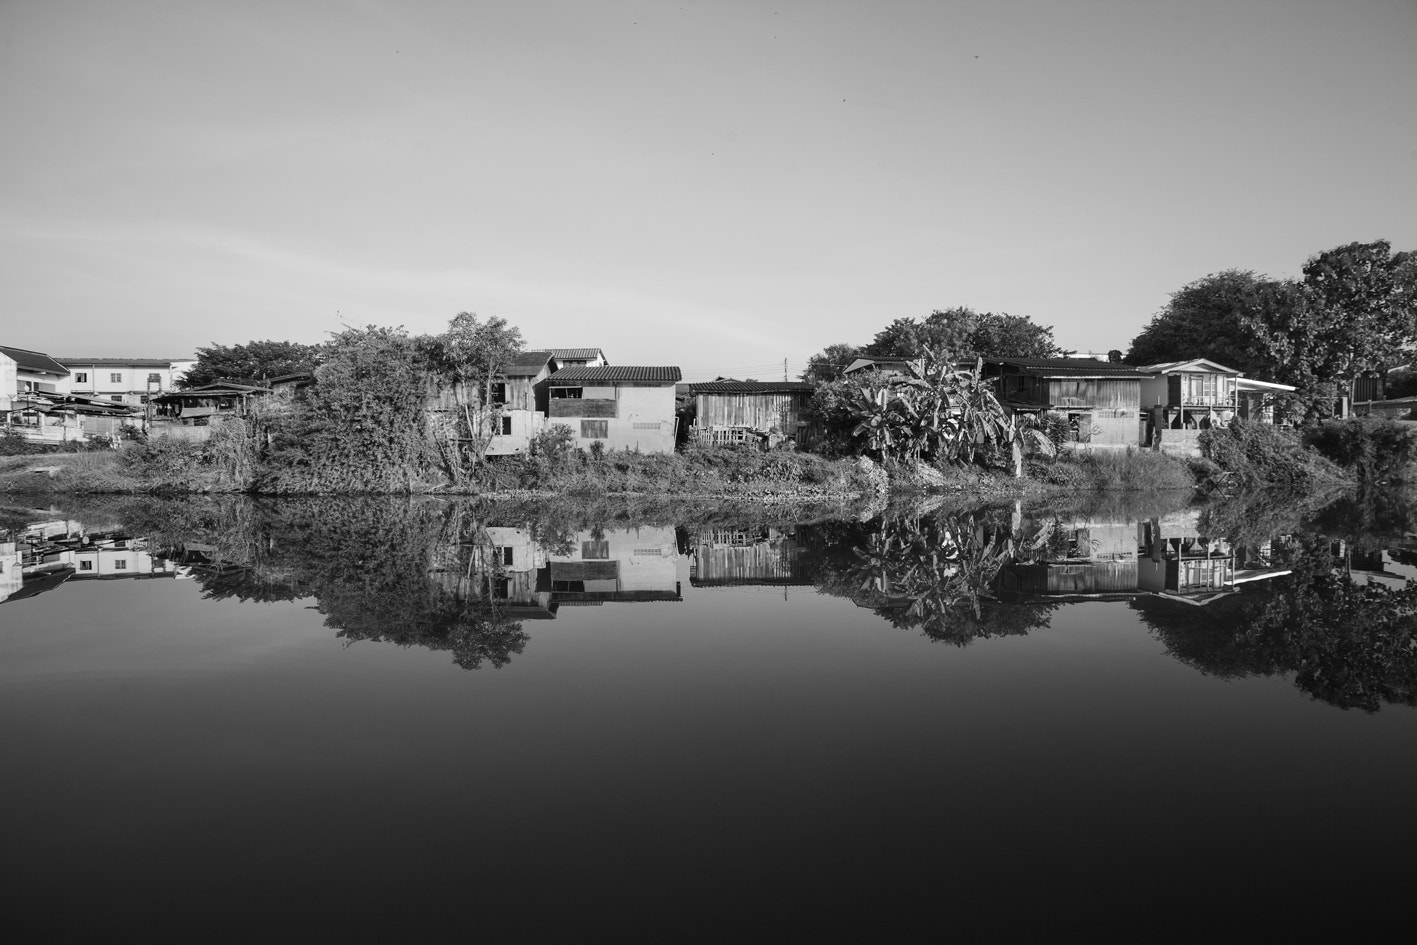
(502, 571)
(129, 381)
(49, 553)
(752, 556)
(1101, 400)
(1165, 558)
(624, 564)
(630, 408)
(728, 411)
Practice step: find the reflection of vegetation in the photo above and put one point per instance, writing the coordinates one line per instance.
(1348, 643)
(407, 572)
(937, 573)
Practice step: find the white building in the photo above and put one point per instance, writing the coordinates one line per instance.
(128, 381)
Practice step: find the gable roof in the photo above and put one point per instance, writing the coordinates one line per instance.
(34, 361)
(1071, 367)
(528, 363)
(883, 364)
(576, 354)
(727, 385)
(611, 375)
(1196, 364)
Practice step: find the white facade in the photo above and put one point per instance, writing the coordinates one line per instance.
(126, 381)
(642, 419)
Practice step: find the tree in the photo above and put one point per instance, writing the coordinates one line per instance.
(964, 334)
(1367, 296)
(251, 363)
(828, 365)
(1205, 319)
(470, 355)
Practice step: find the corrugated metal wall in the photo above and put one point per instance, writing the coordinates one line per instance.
(1095, 392)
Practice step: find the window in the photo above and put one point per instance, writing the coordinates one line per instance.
(573, 393)
(595, 429)
(81, 377)
(507, 556)
(116, 377)
(502, 588)
(85, 565)
(499, 393)
(595, 550)
(155, 379)
(116, 397)
(120, 565)
(506, 426)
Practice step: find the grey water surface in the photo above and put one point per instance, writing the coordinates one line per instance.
(322, 719)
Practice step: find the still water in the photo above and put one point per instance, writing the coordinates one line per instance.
(296, 720)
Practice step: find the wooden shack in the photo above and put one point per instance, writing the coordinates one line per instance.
(728, 410)
(1100, 399)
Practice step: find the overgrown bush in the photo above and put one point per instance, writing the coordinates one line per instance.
(1373, 447)
(1132, 469)
(1252, 455)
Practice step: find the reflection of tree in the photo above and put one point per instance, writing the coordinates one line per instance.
(1350, 644)
(935, 573)
(411, 573)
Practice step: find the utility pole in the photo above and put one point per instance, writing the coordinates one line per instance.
(784, 369)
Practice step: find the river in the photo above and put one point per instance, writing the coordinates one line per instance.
(283, 721)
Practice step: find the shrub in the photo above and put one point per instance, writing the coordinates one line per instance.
(1373, 447)
(1252, 455)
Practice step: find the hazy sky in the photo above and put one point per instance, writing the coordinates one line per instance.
(719, 185)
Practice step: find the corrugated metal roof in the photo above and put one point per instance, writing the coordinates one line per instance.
(627, 372)
(1070, 367)
(527, 363)
(120, 362)
(728, 385)
(36, 361)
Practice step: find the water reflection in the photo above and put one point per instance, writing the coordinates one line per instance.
(1233, 591)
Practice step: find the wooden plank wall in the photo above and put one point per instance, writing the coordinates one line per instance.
(1111, 393)
(759, 411)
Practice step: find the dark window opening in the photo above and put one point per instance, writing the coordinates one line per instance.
(506, 426)
(572, 393)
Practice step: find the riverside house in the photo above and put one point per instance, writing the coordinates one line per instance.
(130, 381)
(1182, 398)
(523, 398)
(731, 411)
(1100, 399)
(622, 408)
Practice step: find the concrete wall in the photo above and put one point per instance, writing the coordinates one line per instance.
(525, 425)
(131, 386)
(643, 418)
(8, 380)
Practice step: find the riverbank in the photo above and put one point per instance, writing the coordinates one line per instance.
(1240, 458)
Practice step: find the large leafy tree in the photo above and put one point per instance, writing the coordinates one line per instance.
(828, 364)
(468, 357)
(251, 363)
(964, 333)
(1209, 318)
(1354, 310)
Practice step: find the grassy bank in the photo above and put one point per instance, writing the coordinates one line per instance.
(1243, 457)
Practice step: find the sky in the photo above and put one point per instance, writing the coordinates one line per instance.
(723, 186)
